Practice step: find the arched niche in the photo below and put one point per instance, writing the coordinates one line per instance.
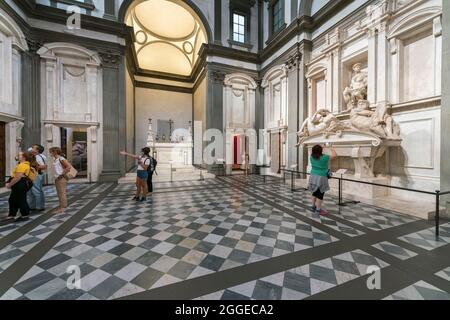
(415, 42)
(239, 100)
(317, 87)
(9, 28)
(275, 89)
(275, 86)
(12, 44)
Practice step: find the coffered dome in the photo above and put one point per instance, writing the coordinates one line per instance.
(168, 36)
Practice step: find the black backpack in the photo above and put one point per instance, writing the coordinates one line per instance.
(152, 167)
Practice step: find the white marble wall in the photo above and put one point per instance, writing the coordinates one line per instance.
(160, 105)
(71, 97)
(12, 44)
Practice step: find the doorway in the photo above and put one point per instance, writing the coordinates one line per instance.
(240, 150)
(74, 144)
(2, 154)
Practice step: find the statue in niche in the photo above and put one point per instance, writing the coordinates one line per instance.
(323, 121)
(378, 121)
(358, 87)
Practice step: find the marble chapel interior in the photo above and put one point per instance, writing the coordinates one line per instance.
(230, 96)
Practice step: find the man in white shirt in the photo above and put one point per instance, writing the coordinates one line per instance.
(36, 195)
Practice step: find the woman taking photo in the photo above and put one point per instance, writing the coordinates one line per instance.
(60, 167)
(20, 183)
(144, 162)
(318, 181)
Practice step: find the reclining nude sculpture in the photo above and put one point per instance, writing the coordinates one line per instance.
(323, 121)
(378, 121)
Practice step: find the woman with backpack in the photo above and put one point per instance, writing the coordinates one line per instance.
(20, 183)
(61, 168)
(144, 162)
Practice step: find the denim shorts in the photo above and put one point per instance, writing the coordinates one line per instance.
(142, 174)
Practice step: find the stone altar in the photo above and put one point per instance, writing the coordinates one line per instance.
(175, 153)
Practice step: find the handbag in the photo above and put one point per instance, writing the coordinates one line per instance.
(72, 174)
(329, 174)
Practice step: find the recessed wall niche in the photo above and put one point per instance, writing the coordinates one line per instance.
(347, 72)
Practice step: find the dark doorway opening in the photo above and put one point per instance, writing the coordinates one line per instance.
(74, 146)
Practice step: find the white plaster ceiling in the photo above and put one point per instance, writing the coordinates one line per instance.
(168, 36)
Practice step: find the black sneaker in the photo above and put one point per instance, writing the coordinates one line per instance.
(135, 199)
(21, 218)
(143, 199)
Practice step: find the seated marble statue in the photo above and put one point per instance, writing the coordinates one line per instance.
(358, 87)
(378, 121)
(323, 121)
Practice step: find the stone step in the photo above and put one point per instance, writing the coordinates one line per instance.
(164, 176)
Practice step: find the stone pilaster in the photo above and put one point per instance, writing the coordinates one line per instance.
(31, 93)
(114, 133)
(305, 50)
(218, 22)
(445, 109)
(293, 98)
(214, 103)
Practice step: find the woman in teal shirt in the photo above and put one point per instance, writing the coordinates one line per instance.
(318, 181)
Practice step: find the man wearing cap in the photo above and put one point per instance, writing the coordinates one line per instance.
(36, 198)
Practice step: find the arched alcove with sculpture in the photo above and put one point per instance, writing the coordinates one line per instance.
(364, 136)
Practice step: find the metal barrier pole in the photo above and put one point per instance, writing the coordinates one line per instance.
(436, 217)
(292, 181)
(340, 190)
(284, 176)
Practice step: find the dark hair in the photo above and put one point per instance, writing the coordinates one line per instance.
(56, 150)
(317, 152)
(39, 148)
(29, 157)
(146, 151)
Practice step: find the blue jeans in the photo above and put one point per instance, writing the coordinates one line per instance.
(36, 198)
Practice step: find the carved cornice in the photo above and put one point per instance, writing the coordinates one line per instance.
(110, 59)
(34, 45)
(56, 15)
(217, 76)
(293, 61)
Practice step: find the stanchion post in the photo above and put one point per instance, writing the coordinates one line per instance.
(292, 181)
(436, 216)
(340, 190)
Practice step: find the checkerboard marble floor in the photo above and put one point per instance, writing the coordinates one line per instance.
(236, 237)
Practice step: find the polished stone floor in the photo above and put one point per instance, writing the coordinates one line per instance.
(234, 237)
